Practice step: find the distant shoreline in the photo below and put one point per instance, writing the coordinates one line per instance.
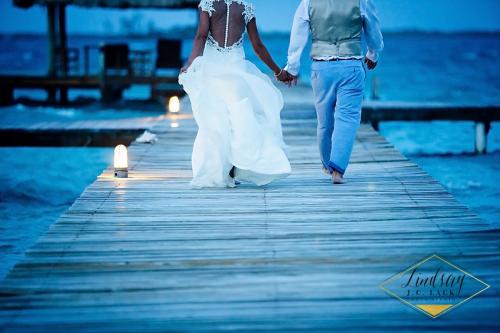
(187, 33)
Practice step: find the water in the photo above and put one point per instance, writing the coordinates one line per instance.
(20, 114)
(453, 68)
(472, 180)
(448, 157)
(456, 68)
(36, 186)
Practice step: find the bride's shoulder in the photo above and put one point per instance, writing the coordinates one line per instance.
(207, 6)
(245, 3)
(249, 11)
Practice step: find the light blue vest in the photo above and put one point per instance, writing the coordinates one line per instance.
(336, 27)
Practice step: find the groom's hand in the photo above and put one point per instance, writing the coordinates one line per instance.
(370, 64)
(292, 81)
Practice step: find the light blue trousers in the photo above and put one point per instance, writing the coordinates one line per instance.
(338, 89)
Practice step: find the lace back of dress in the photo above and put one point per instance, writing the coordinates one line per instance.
(228, 20)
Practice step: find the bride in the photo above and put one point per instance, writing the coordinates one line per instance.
(236, 107)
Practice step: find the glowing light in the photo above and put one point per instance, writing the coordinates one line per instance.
(174, 125)
(174, 104)
(121, 161)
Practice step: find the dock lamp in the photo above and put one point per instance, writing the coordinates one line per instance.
(121, 162)
(174, 104)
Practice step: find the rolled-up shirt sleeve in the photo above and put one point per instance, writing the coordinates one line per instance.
(298, 37)
(372, 31)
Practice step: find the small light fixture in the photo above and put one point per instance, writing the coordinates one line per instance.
(121, 162)
(174, 124)
(174, 104)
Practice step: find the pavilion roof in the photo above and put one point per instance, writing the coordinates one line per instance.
(179, 4)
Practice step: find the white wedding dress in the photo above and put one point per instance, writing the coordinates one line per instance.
(236, 107)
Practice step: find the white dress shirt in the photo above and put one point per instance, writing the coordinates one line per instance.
(302, 27)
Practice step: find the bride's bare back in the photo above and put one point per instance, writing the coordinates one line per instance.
(223, 24)
(228, 20)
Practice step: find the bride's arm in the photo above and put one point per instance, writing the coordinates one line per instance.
(260, 49)
(200, 39)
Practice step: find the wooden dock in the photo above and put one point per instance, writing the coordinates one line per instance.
(149, 254)
(9, 83)
(79, 133)
(483, 116)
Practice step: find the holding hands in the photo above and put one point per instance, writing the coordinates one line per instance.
(286, 78)
(370, 63)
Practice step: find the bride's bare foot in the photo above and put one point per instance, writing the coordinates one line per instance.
(337, 178)
(232, 175)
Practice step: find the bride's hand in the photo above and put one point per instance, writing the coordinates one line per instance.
(184, 69)
(286, 78)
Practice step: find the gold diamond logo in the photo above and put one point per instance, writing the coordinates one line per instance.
(434, 286)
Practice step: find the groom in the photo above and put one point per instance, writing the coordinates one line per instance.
(338, 76)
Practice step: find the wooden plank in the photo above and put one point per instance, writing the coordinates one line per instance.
(80, 82)
(82, 133)
(150, 254)
(19, 81)
(403, 111)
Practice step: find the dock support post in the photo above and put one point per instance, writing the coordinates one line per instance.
(110, 94)
(481, 131)
(52, 40)
(86, 57)
(375, 88)
(63, 49)
(6, 95)
(375, 96)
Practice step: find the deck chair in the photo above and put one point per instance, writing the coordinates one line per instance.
(114, 62)
(115, 59)
(167, 65)
(169, 54)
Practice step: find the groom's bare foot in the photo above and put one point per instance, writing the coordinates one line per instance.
(337, 178)
(326, 171)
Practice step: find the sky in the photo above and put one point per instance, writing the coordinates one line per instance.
(272, 15)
